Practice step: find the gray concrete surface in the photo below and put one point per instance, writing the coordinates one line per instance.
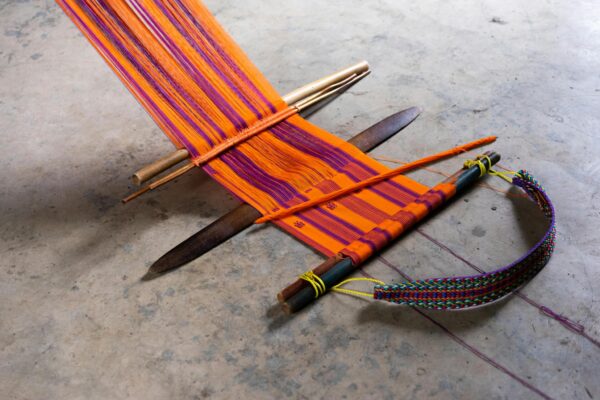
(76, 323)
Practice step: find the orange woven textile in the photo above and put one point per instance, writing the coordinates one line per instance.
(202, 91)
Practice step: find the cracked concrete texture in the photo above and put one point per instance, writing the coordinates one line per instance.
(75, 322)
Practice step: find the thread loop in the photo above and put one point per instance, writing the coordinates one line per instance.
(315, 281)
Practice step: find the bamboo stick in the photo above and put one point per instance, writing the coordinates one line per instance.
(320, 84)
(300, 99)
(167, 178)
(158, 166)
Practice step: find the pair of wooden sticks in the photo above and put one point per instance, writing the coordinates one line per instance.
(298, 100)
(335, 269)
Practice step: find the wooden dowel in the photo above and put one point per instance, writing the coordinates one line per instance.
(299, 284)
(312, 92)
(320, 84)
(160, 165)
(178, 172)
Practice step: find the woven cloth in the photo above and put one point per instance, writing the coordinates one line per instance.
(205, 94)
(467, 291)
(201, 90)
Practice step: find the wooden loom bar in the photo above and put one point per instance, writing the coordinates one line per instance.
(305, 96)
(335, 269)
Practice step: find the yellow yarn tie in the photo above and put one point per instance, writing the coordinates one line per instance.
(506, 175)
(482, 168)
(315, 281)
(338, 287)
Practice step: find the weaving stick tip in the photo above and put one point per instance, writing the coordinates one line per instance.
(150, 275)
(280, 297)
(362, 66)
(135, 195)
(287, 309)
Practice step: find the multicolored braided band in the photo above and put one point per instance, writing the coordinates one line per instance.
(468, 291)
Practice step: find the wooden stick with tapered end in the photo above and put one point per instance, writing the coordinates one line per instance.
(210, 237)
(337, 268)
(244, 215)
(158, 166)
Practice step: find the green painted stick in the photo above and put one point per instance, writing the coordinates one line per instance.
(335, 269)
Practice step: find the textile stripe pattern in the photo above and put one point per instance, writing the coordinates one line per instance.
(202, 90)
(466, 291)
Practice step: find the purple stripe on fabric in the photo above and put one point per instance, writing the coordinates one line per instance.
(307, 144)
(207, 60)
(340, 221)
(376, 191)
(400, 187)
(225, 56)
(407, 219)
(369, 243)
(296, 232)
(99, 45)
(403, 189)
(385, 233)
(355, 204)
(424, 200)
(280, 190)
(334, 157)
(337, 158)
(391, 186)
(133, 39)
(194, 73)
(320, 227)
(235, 191)
(363, 208)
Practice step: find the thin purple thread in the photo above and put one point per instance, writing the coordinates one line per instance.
(484, 357)
(464, 344)
(565, 321)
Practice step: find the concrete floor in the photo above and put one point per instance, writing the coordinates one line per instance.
(76, 322)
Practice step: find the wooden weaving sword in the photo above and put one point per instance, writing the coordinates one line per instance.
(244, 215)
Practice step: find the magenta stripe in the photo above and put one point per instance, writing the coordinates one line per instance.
(99, 45)
(322, 228)
(196, 108)
(194, 73)
(226, 58)
(243, 166)
(340, 221)
(206, 59)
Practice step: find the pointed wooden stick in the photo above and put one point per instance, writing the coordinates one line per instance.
(244, 215)
(167, 178)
